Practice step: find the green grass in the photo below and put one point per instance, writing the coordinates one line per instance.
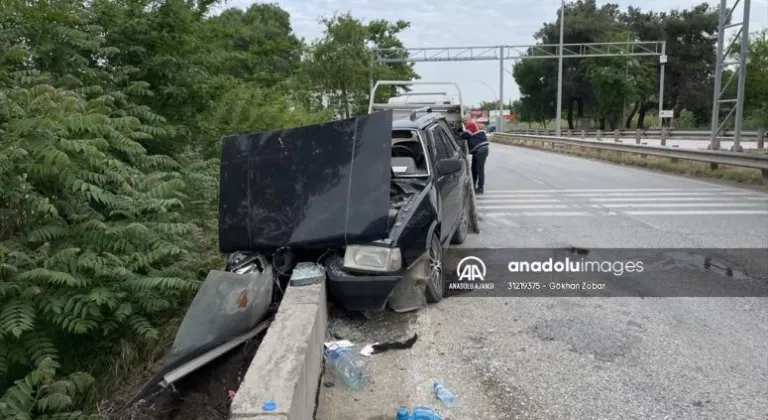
(690, 168)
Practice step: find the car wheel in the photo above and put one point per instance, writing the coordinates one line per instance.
(435, 274)
(462, 230)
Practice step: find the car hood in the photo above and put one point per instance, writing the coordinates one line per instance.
(318, 186)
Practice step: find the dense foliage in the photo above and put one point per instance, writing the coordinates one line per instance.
(110, 116)
(622, 92)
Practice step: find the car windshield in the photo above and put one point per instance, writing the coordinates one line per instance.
(408, 156)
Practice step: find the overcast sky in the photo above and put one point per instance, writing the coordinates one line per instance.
(457, 23)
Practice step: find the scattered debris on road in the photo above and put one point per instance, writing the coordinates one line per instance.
(350, 367)
(444, 395)
(378, 348)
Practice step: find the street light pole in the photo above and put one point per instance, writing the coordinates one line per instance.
(558, 116)
(496, 98)
(493, 92)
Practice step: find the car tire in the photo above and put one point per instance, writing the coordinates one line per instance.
(435, 272)
(462, 230)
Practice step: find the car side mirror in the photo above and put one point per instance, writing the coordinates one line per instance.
(448, 166)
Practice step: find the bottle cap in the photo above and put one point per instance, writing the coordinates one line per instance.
(269, 406)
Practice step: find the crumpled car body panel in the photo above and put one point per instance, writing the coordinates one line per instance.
(318, 186)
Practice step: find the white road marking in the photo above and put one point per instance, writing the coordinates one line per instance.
(548, 214)
(728, 199)
(515, 200)
(496, 220)
(696, 213)
(630, 190)
(675, 205)
(515, 207)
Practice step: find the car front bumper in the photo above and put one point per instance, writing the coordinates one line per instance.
(359, 292)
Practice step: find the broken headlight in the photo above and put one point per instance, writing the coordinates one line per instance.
(372, 258)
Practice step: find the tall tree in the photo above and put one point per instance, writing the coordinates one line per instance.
(538, 92)
(756, 94)
(691, 37)
(341, 64)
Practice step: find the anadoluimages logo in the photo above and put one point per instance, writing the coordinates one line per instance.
(471, 273)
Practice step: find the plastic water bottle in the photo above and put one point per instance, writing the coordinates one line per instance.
(424, 412)
(444, 395)
(420, 412)
(349, 366)
(403, 414)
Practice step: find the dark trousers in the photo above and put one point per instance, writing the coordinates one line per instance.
(478, 167)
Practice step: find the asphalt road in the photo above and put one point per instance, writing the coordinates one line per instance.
(681, 143)
(580, 358)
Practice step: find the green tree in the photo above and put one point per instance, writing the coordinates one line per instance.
(538, 93)
(93, 244)
(615, 81)
(110, 118)
(586, 22)
(340, 65)
(691, 37)
(756, 93)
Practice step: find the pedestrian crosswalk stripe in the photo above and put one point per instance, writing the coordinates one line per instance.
(536, 213)
(695, 213)
(494, 195)
(502, 207)
(661, 205)
(497, 220)
(523, 206)
(515, 200)
(629, 190)
(728, 199)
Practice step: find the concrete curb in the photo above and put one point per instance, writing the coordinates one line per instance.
(288, 364)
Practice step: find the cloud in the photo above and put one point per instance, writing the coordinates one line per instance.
(466, 23)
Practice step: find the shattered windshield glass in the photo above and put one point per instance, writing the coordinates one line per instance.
(408, 154)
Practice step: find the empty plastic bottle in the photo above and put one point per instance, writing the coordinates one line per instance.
(403, 414)
(349, 366)
(420, 412)
(444, 395)
(424, 412)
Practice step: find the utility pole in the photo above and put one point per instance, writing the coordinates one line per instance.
(500, 120)
(558, 115)
(626, 77)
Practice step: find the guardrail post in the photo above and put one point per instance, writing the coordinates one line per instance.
(637, 136)
(536, 132)
(583, 134)
(569, 133)
(761, 141)
(599, 135)
(616, 136)
(663, 136)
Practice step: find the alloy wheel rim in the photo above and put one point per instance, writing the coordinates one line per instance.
(436, 267)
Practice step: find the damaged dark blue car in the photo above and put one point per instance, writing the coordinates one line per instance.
(374, 200)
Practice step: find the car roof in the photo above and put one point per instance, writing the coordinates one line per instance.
(417, 124)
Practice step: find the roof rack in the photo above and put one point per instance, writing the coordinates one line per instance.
(415, 113)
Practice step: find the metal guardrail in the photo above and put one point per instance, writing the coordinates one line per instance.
(714, 157)
(646, 133)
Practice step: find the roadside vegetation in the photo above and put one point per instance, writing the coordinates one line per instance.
(609, 93)
(111, 114)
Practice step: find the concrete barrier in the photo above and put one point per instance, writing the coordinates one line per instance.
(288, 364)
